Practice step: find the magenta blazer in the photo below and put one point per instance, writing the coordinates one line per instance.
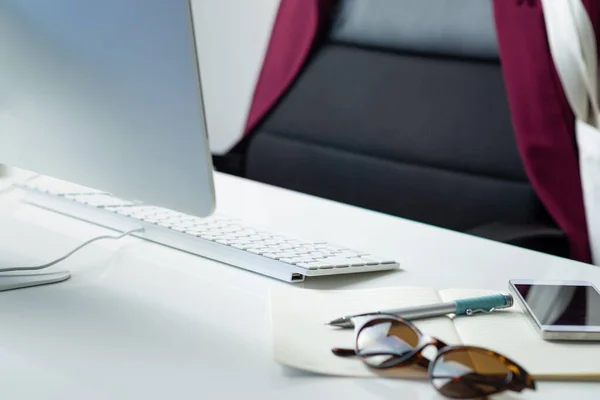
(542, 119)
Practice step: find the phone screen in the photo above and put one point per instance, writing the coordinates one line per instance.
(562, 305)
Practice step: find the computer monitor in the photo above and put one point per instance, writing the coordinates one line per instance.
(106, 94)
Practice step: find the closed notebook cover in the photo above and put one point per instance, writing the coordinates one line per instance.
(302, 340)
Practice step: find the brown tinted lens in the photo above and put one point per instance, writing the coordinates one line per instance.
(469, 372)
(386, 342)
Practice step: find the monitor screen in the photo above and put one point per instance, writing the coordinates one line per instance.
(107, 94)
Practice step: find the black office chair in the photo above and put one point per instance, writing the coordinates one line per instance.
(403, 110)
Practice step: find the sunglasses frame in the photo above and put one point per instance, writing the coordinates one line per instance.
(516, 381)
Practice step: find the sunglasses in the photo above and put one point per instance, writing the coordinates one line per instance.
(460, 372)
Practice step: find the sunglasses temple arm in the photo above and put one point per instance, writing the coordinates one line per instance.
(342, 352)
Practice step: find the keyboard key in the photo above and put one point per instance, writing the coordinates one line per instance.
(245, 233)
(271, 255)
(318, 265)
(284, 247)
(329, 248)
(207, 237)
(307, 265)
(288, 261)
(357, 262)
(239, 235)
(241, 246)
(229, 230)
(271, 242)
(337, 262)
(286, 255)
(165, 224)
(369, 261)
(348, 254)
(223, 237)
(243, 241)
(302, 259)
(120, 210)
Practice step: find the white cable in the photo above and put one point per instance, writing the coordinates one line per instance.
(9, 188)
(13, 183)
(69, 254)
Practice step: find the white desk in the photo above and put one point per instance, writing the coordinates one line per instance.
(142, 321)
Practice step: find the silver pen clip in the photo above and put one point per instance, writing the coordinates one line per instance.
(470, 311)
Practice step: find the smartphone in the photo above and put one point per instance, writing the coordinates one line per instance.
(560, 310)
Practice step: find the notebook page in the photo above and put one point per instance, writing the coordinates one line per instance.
(510, 332)
(302, 340)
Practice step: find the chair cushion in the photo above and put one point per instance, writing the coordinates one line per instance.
(438, 113)
(453, 200)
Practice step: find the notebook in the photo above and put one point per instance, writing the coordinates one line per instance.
(302, 340)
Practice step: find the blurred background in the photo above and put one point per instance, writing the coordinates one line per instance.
(406, 107)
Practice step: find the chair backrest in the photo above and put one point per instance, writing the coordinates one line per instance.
(402, 109)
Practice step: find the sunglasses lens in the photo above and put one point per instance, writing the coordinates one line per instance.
(469, 372)
(386, 342)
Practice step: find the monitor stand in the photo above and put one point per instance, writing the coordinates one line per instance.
(12, 281)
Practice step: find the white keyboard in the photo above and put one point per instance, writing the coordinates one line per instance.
(217, 237)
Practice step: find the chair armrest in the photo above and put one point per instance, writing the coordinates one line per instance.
(544, 238)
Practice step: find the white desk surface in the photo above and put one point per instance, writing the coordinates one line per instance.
(141, 321)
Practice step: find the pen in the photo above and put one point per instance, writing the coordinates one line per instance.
(467, 306)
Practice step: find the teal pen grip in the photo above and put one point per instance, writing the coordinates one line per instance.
(484, 303)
